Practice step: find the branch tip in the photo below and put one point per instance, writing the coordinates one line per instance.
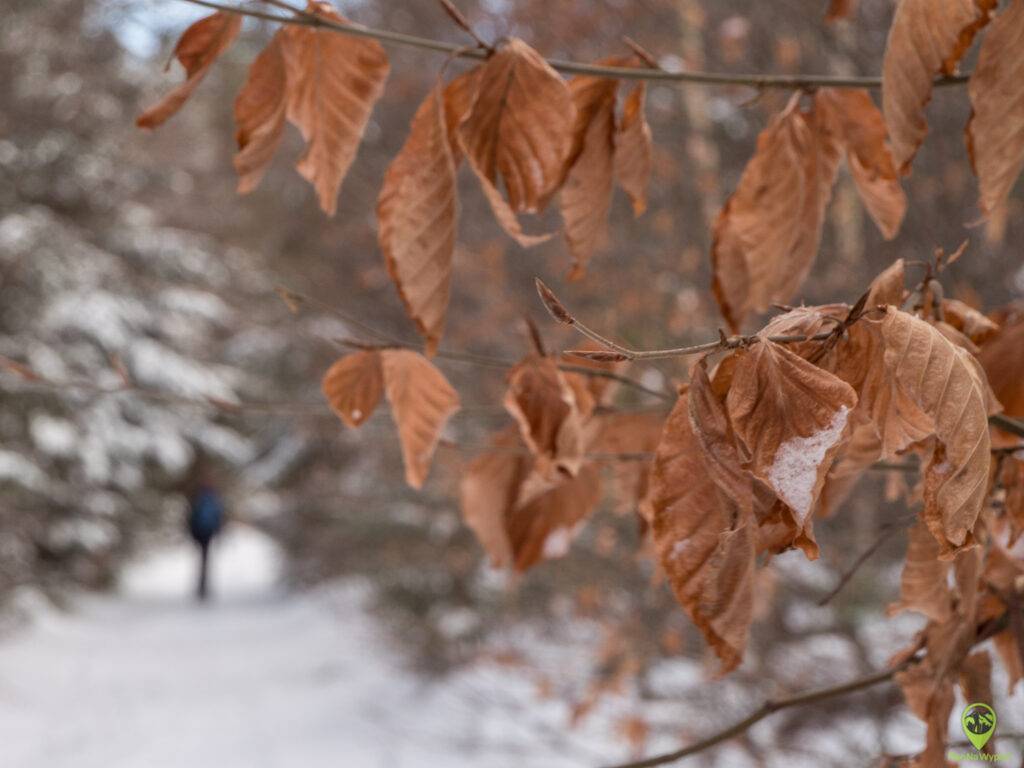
(554, 307)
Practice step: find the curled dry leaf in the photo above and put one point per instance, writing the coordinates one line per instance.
(888, 287)
(519, 535)
(791, 419)
(861, 128)
(924, 584)
(421, 400)
(333, 83)
(969, 321)
(197, 49)
(586, 195)
(935, 383)
(766, 236)
(633, 149)
(520, 127)
(705, 545)
(548, 412)
(259, 115)
(353, 386)
(927, 38)
(417, 212)
(995, 131)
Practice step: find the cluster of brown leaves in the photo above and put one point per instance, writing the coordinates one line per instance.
(778, 433)
(528, 493)
(928, 39)
(766, 236)
(513, 118)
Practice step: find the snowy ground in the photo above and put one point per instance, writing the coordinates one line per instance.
(258, 678)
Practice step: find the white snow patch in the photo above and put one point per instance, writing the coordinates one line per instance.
(557, 542)
(795, 468)
(53, 436)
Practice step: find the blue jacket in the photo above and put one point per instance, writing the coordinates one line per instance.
(206, 514)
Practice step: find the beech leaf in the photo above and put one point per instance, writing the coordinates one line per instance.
(259, 115)
(927, 38)
(766, 236)
(924, 584)
(417, 214)
(333, 83)
(706, 547)
(861, 128)
(586, 195)
(353, 386)
(421, 401)
(548, 413)
(197, 50)
(995, 131)
(633, 149)
(791, 417)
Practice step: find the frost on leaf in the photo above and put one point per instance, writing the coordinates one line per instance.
(794, 471)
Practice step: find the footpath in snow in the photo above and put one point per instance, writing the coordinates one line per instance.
(257, 678)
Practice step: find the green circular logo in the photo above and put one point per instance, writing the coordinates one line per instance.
(979, 723)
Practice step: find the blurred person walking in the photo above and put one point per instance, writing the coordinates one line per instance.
(205, 519)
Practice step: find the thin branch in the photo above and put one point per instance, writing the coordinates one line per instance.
(770, 707)
(883, 534)
(759, 81)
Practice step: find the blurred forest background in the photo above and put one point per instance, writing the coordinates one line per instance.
(127, 255)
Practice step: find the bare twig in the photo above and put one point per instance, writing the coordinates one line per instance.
(883, 534)
(770, 707)
(463, 23)
(760, 81)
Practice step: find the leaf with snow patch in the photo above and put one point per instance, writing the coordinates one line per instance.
(791, 419)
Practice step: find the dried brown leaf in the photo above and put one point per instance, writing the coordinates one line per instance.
(421, 401)
(924, 585)
(705, 545)
(259, 115)
(586, 195)
(628, 432)
(861, 128)
(969, 321)
(766, 236)
(353, 386)
(417, 212)
(633, 149)
(545, 406)
(333, 83)
(197, 50)
(520, 126)
(936, 385)
(1003, 363)
(927, 38)
(889, 286)
(995, 131)
(791, 418)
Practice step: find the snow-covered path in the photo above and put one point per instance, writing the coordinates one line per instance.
(257, 678)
